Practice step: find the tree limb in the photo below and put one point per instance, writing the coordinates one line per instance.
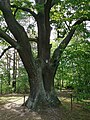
(59, 50)
(8, 39)
(48, 3)
(53, 3)
(15, 11)
(13, 25)
(14, 16)
(67, 25)
(5, 51)
(26, 10)
(19, 33)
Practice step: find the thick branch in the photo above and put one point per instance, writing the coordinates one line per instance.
(48, 3)
(8, 39)
(5, 51)
(26, 10)
(13, 25)
(14, 16)
(59, 50)
(20, 35)
(15, 28)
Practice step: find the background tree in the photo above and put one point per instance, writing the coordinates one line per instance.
(75, 62)
(41, 70)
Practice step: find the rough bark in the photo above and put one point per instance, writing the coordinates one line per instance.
(37, 96)
(42, 93)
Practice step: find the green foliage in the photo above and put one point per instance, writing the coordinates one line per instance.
(39, 7)
(22, 85)
(22, 3)
(22, 82)
(74, 68)
(65, 13)
(5, 88)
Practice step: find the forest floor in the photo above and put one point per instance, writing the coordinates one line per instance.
(11, 109)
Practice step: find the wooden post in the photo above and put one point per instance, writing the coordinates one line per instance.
(1, 83)
(24, 104)
(71, 101)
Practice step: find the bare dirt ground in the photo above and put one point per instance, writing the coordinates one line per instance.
(11, 109)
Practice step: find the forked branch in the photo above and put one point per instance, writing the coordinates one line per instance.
(5, 51)
(26, 10)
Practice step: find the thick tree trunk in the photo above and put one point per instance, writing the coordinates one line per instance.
(42, 93)
(40, 98)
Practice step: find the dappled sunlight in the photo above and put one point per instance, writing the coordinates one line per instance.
(12, 103)
(65, 99)
(12, 109)
(35, 114)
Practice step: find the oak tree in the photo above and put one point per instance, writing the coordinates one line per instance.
(42, 69)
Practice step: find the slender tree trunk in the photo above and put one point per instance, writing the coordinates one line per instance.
(14, 71)
(8, 69)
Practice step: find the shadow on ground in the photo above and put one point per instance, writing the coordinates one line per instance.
(11, 109)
